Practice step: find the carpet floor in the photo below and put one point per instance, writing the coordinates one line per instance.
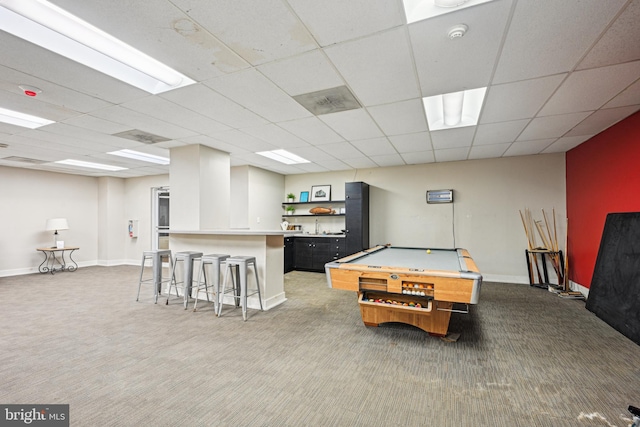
(525, 357)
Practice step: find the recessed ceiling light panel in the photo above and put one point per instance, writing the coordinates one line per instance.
(283, 156)
(454, 110)
(90, 165)
(57, 30)
(417, 10)
(22, 119)
(136, 155)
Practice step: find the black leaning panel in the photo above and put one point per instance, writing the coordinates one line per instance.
(614, 295)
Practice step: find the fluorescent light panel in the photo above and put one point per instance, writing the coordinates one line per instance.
(90, 165)
(136, 155)
(417, 10)
(283, 156)
(21, 119)
(55, 29)
(463, 109)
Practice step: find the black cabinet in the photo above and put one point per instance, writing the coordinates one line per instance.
(312, 253)
(289, 254)
(304, 253)
(357, 216)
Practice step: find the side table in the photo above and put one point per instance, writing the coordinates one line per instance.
(54, 260)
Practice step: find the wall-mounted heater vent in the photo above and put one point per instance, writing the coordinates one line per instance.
(439, 196)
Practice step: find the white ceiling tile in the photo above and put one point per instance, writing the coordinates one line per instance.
(360, 163)
(250, 58)
(334, 21)
(35, 107)
(275, 135)
(170, 112)
(379, 69)
(313, 154)
(630, 96)
(45, 141)
(96, 124)
(566, 143)
(418, 157)
(254, 91)
(582, 91)
(341, 150)
(45, 65)
(453, 138)
(243, 140)
(314, 167)
(412, 143)
(400, 117)
(53, 96)
(488, 151)
(257, 31)
(374, 147)
(443, 64)
(519, 100)
(388, 160)
(495, 133)
(558, 44)
(212, 143)
(166, 33)
(551, 126)
(451, 154)
(208, 102)
(312, 130)
(352, 124)
(620, 42)
(525, 148)
(142, 122)
(68, 131)
(601, 120)
(304, 73)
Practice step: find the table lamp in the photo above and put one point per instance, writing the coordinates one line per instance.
(57, 224)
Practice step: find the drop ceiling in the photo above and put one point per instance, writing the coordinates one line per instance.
(557, 72)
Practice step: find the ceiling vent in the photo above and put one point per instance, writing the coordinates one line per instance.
(328, 101)
(141, 136)
(24, 160)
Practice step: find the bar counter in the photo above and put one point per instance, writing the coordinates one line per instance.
(266, 245)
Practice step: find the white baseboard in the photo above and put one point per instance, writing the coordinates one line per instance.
(505, 278)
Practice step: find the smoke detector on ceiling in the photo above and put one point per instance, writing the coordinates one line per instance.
(30, 90)
(457, 31)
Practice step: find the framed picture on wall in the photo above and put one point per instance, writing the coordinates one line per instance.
(321, 193)
(304, 196)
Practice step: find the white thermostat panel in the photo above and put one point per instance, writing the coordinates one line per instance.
(439, 196)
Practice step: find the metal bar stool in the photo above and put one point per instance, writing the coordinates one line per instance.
(156, 264)
(239, 264)
(187, 258)
(214, 260)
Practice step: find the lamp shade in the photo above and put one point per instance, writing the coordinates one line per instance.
(57, 224)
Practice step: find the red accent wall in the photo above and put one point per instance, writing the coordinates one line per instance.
(603, 176)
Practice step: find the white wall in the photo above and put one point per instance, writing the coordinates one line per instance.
(111, 223)
(27, 199)
(137, 205)
(265, 196)
(484, 217)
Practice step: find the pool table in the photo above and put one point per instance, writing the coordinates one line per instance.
(417, 286)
